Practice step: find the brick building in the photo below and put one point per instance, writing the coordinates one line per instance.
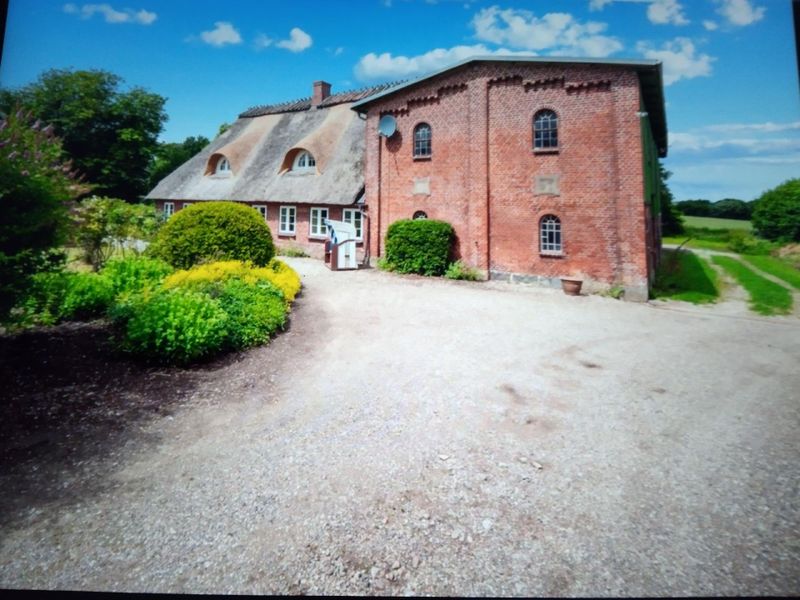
(545, 167)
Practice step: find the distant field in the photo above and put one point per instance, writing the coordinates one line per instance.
(712, 223)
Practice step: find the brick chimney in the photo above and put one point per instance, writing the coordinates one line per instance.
(322, 89)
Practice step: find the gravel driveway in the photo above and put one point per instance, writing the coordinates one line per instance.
(420, 436)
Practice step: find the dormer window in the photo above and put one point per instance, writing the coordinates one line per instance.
(304, 162)
(223, 167)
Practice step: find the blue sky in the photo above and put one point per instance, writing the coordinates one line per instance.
(733, 102)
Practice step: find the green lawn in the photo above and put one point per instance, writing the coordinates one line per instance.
(766, 297)
(777, 267)
(685, 276)
(712, 223)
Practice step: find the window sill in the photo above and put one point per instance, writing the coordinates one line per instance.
(287, 234)
(551, 254)
(546, 150)
(318, 238)
(422, 157)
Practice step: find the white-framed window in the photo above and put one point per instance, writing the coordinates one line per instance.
(304, 162)
(223, 166)
(550, 235)
(288, 218)
(262, 210)
(316, 223)
(354, 216)
(169, 209)
(186, 205)
(420, 214)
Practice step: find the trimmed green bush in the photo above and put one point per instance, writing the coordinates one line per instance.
(419, 246)
(212, 231)
(135, 273)
(175, 326)
(64, 296)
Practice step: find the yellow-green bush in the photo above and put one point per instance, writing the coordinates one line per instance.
(199, 312)
(276, 272)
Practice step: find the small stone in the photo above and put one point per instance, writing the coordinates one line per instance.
(444, 456)
(487, 524)
(396, 565)
(415, 561)
(537, 466)
(523, 459)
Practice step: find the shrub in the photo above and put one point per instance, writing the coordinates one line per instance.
(276, 273)
(459, 270)
(175, 326)
(776, 215)
(133, 274)
(255, 311)
(419, 246)
(743, 243)
(64, 296)
(103, 224)
(214, 231)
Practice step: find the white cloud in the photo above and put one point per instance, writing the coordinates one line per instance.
(710, 25)
(659, 12)
(112, 15)
(298, 41)
(262, 41)
(385, 66)
(558, 33)
(679, 58)
(223, 34)
(666, 12)
(740, 12)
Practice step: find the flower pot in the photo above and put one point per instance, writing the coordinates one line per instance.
(571, 287)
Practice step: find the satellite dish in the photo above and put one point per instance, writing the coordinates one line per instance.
(387, 126)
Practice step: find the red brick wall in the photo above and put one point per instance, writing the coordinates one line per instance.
(482, 177)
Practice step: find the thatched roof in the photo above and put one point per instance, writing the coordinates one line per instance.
(260, 147)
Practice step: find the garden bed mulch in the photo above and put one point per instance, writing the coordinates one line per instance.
(69, 399)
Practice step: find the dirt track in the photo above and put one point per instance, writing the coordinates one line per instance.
(410, 435)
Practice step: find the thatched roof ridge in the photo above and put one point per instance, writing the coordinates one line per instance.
(305, 103)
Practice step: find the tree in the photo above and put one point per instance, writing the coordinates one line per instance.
(695, 208)
(109, 134)
(671, 220)
(777, 212)
(731, 208)
(35, 190)
(170, 156)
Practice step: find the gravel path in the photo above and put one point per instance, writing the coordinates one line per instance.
(418, 436)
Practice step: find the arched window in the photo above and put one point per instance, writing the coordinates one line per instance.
(304, 161)
(223, 166)
(420, 214)
(545, 130)
(422, 140)
(550, 235)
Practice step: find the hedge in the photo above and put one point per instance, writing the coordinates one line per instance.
(419, 246)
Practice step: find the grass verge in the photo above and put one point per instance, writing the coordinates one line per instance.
(687, 277)
(777, 267)
(766, 297)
